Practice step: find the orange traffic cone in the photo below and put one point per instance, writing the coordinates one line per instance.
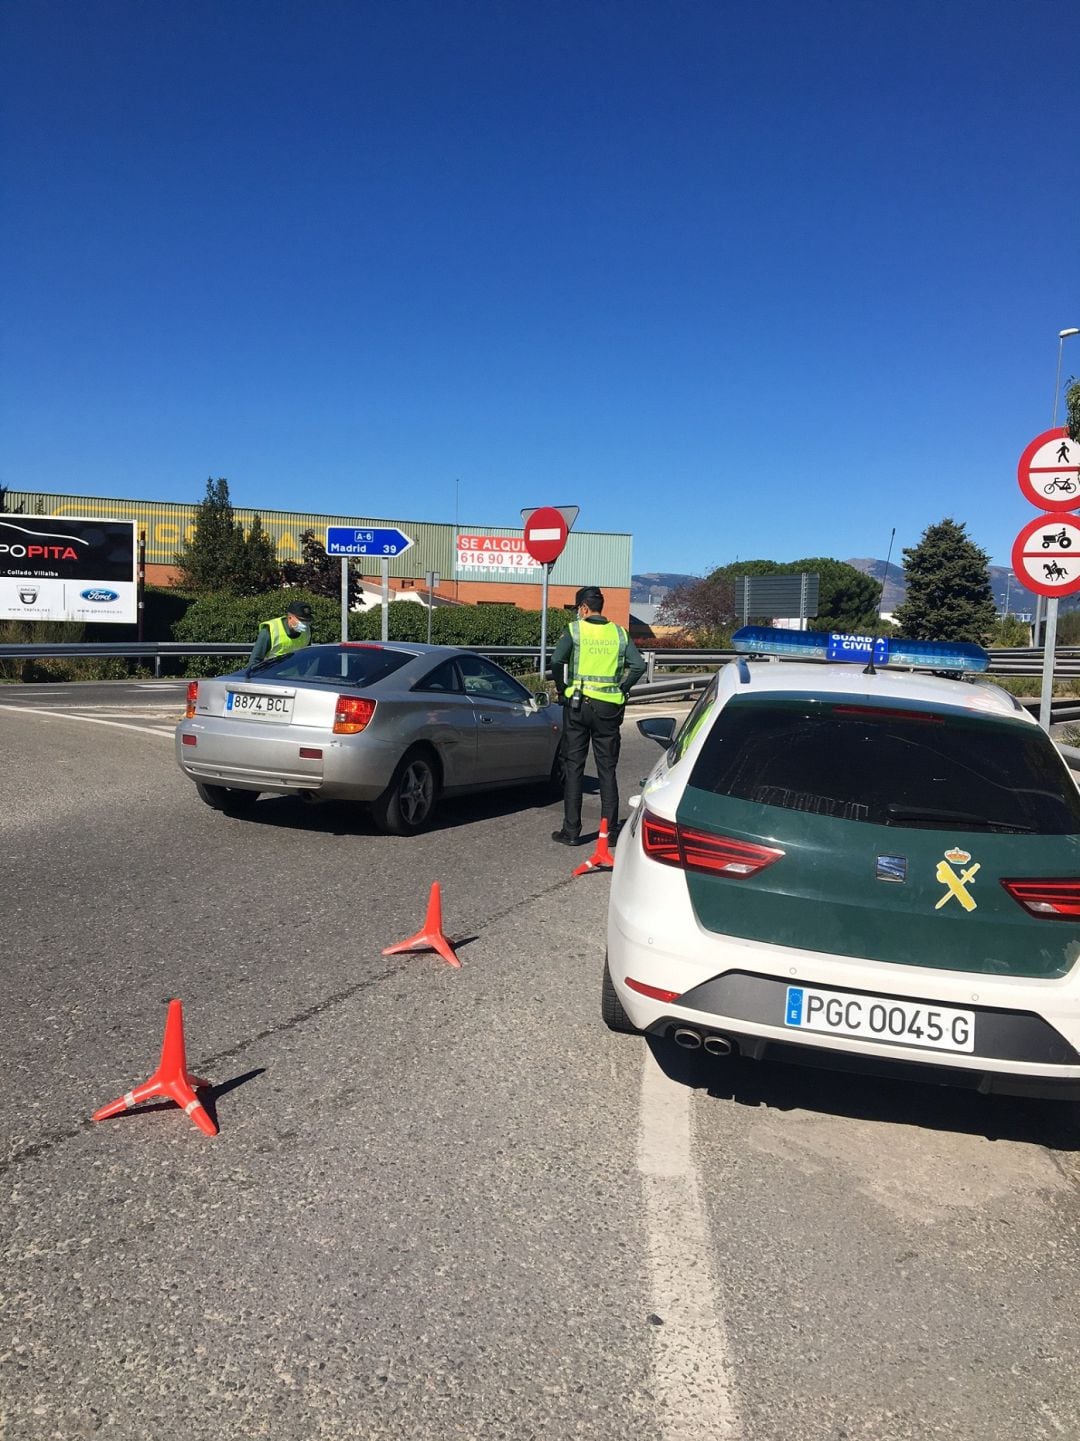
(601, 858)
(171, 1079)
(431, 938)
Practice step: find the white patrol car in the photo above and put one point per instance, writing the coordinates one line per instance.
(857, 862)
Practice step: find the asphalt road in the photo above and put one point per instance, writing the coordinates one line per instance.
(450, 1204)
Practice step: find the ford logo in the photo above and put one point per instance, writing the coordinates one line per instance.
(101, 596)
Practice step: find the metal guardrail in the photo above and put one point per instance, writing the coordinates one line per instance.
(1026, 661)
(1018, 662)
(160, 650)
(147, 650)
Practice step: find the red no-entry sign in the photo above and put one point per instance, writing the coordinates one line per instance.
(1049, 471)
(545, 534)
(1046, 555)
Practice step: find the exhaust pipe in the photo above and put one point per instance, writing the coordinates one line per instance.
(689, 1040)
(717, 1045)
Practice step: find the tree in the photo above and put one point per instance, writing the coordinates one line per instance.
(213, 558)
(1072, 403)
(318, 572)
(1068, 628)
(848, 599)
(705, 609)
(948, 587)
(5, 508)
(259, 569)
(1011, 633)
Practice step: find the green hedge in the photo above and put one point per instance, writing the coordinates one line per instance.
(222, 617)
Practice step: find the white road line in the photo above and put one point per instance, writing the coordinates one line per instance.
(87, 720)
(695, 1396)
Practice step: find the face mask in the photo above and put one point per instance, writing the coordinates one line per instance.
(301, 626)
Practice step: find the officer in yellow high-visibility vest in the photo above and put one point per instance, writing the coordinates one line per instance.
(594, 664)
(284, 634)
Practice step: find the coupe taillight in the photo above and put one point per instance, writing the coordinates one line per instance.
(192, 697)
(352, 715)
(693, 850)
(1049, 900)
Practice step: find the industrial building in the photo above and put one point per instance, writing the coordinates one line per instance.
(476, 564)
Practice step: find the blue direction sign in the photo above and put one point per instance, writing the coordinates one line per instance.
(380, 542)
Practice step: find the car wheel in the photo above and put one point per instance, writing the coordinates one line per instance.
(223, 798)
(408, 802)
(615, 1018)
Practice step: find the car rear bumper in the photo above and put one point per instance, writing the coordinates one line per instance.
(355, 768)
(1027, 1032)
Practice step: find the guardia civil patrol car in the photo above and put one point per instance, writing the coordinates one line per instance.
(855, 864)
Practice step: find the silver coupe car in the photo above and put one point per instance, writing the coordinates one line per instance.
(394, 726)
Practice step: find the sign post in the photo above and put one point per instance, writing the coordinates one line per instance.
(546, 530)
(1049, 475)
(432, 578)
(383, 542)
(1046, 559)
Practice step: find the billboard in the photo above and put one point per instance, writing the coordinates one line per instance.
(60, 568)
(495, 557)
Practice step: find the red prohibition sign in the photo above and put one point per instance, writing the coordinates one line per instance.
(545, 534)
(1049, 471)
(1046, 555)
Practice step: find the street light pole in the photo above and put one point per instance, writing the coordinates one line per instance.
(1063, 335)
(1050, 635)
(885, 577)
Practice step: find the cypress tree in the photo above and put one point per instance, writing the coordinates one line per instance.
(213, 558)
(260, 569)
(948, 587)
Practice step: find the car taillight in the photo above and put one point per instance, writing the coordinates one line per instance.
(661, 840)
(693, 850)
(192, 697)
(352, 715)
(655, 993)
(1050, 900)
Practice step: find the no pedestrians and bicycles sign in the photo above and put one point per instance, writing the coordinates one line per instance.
(1049, 471)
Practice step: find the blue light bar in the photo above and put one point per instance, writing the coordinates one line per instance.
(860, 649)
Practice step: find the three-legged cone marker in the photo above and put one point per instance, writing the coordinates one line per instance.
(171, 1079)
(431, 938)
(601, 858)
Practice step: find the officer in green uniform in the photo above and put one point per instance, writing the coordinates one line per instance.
(594, 664)
(283, 634)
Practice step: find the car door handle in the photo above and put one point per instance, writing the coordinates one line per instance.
(487, 720)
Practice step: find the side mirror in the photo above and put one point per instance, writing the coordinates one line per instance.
(541, 699)
(659, 728)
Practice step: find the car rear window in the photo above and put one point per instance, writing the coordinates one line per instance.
(344, 665)
(889, 766)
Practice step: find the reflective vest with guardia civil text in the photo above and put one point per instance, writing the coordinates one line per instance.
(598, 660)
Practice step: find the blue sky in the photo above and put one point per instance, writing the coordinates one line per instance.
(744, 280)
